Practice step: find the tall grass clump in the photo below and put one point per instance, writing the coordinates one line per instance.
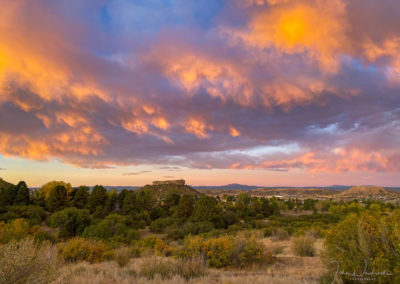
(27, 261)
(303, 246)
(153, 267)
(190, 268)
(122, 256)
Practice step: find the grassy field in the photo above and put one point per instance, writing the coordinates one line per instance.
(286, 269)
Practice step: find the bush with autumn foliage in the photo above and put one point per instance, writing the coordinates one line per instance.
(368, 242)
(227, 251)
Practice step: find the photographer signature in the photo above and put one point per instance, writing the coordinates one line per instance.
(365, 275)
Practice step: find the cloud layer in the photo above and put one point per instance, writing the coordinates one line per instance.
(245, 84)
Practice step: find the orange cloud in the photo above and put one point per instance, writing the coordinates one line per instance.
(137, 126)
(161, 123)
(315, 28)
(41, 58)
(192, 71)
(234, 132)
(197, 127)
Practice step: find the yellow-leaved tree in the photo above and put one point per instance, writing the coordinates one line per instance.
(48, 187)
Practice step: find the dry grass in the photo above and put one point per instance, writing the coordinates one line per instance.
(144, 270)
(288, 269)
(110, 273)
(308, 269)
(27, 262)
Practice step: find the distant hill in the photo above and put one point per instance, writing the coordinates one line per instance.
(367, 190)
(161, 190)
(4, 184)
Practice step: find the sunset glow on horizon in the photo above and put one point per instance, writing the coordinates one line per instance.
(257, 92)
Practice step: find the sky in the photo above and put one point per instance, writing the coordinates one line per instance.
(263, 92)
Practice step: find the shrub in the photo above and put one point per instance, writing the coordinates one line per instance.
(195, 228)
(71, 221)
(32, 213)
(219, 251)
(303, 246)
(112, 228)
(149, 242)
(78, 249)
(268, 231)
(18, 229)
(162, 248)
(226, 251)
(193, 246)
(368, 241)
(280, 235)
(159, 225)
(259, 216)
(249, 251)
(122, 256)
(27, 261)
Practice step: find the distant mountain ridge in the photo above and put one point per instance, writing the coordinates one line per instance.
(232, 186)
(237, 186)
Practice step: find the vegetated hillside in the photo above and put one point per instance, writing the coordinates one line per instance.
(4, 184)
(369, 192)
(160, 191)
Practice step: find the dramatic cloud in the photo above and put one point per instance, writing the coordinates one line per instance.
(246, 84)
